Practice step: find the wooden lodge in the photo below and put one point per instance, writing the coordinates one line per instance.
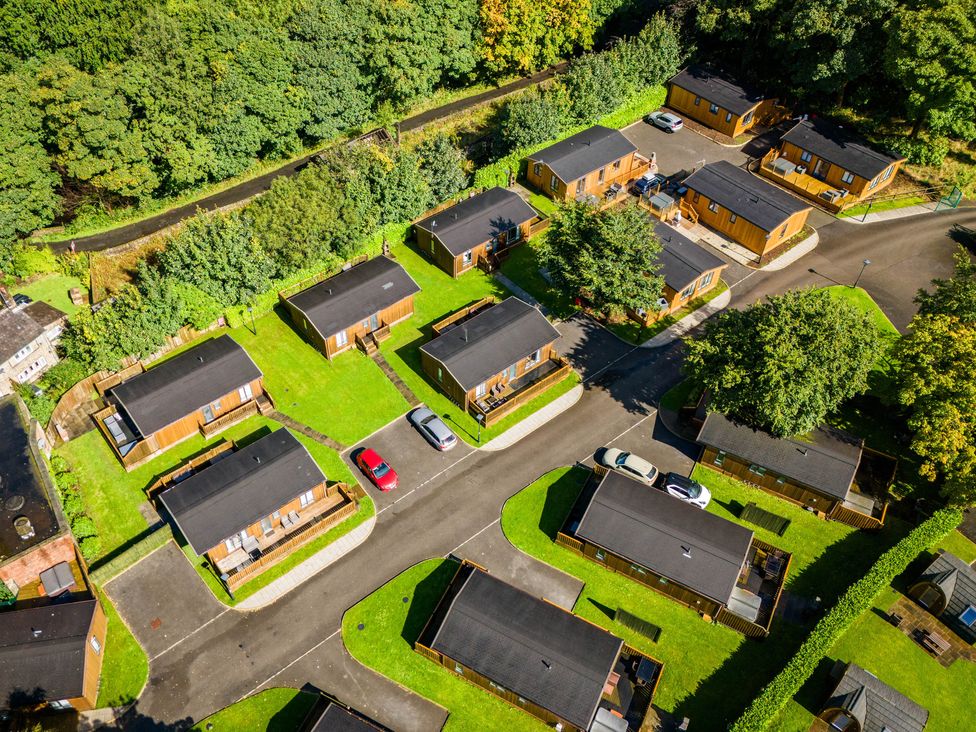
(586, 165)
(827, 471)
(714, 566)
(716, 101)
(244, 509)
(356, 307)
(829, 164)
(947, 589)
(745, 208)
(490, 358)
(538, 657)
(689, 270)
(861, 702)
(482, 226)
(205, 389)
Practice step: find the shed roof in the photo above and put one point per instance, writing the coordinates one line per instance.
(744, 194)
(337, 718)
(584, 152)
(721, 90)
(840, 146)
(826, 460)
(23, 491)
(241, 489)
(695, 548)
(24, 324)
(491, 341)
(682, 260)
(526, 645)
(877, 706)
(478, 219)
(958, 581)
(185, 383)
(42, 651)
(352, 296)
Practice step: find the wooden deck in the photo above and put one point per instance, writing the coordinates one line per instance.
(802, 183)
(35, 589)
(934, 638)
(522, 390)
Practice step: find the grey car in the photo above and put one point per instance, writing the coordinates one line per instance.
(433, 428)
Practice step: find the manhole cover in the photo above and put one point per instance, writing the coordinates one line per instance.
(406, 600)
(14, 503)
(155, 623)
(361, 626)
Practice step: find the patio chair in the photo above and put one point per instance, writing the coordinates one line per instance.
(294, 517)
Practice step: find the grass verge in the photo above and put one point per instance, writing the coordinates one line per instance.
(711, 672)
(52, 289)
(392, 618)
(273, 710)
(880, 206)
(125, 667)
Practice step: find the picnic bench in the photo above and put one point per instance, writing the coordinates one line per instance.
(933, 642)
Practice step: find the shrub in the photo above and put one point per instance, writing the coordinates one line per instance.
(59, 464)
(63, 375)
(83, 528)
(858, 599)
(596, 84)
(91, 548)
(29, 260)
(921, 152)
(533, 118)
(41, 406)
(73, 265)
(6, 595)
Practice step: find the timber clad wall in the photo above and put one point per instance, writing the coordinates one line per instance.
(485, 683)
(327, 343)
(733, 125)
(832, 174)
(676, 300)
(742, 231)
(656, 582)
(541, 176)
(455, 265)
(93, 660)
(320, 492)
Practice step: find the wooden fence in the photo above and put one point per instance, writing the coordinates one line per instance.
(265, 561)
(114, 379)
(165, 481)
(69, 405)
(442, 325)
(523, 396)
(855, 518)
(541, 225)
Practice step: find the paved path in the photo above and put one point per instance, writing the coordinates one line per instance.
(304, 429)
(534, 421)
(688, 323)
(394, 377)
(247, 189)
(519, 292)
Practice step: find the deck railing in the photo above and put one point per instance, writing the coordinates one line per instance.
(140, 452)
(493, 414)
(442, 325)
(231, 418)
(165, 481)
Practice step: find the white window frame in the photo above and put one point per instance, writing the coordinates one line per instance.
(537, 168)
(688, 291)
(728, 116)
(60, 704)
(514, 235)
(713, 207)
(806, 156)
(601, 175)
(266, 525)
(553, 183)
(581, 186)
(848, 178)
(466, 259)
(747, 117)
(341, 338)
(480, 390)
(713, 108)
(22, 353)
(732, 218)
(533, 358)
(706, 280)
(245, 393)
(697, 101)
(307, 498)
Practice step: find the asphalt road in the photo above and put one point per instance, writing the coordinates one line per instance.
(247, 189)
(455, 499)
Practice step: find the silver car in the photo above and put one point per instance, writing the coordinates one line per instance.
(433, 428)
(630, 465)
(666, 121)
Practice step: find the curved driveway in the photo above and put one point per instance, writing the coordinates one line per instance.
(296, 640)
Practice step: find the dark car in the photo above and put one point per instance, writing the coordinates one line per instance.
(433, 428)
(688, 490)
(22, 299)
(647, 183)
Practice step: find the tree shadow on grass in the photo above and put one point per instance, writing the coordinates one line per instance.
(560, 497)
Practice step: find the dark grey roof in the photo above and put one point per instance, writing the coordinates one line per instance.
(840, 147)
(478, 219)
(23, 491)
(584, 152)
(528, 646)
(336, 718)
(658, 531)
(825, 460)
(682, 260)
(877, 705)
(354, 295)
(185, 383)
(958, 582)
(744, 194)
(491, 341)
(24, 324)
(49, 665)
(724, 92)
(240, 490)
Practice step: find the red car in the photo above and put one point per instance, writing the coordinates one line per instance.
(377, 469)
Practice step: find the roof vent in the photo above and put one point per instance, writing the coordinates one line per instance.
(455, 215)
(200, 358)
(257, 459)
(36, 632)
(686, 552)
(803, 450)
(23, 527)
(14, 503)
(547, 665)
(387, 285)
(465, 329)
(433, 223)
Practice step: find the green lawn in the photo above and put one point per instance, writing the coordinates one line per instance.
(878, 206)
(393, 617)
(861, 299)
(112, 496)
(273, 710)
(346, 398)
(365, 511)
(543, 204)
(522, 267)
(711, 672)
(52, 289)
(678, 395)
(898, 661)
(441, 295)
(125, 667)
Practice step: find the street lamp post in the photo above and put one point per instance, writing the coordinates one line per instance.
(864, 264)
(480, 418)
(254, 327)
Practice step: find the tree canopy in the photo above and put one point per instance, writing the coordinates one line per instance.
(784, 364)
(954, 296)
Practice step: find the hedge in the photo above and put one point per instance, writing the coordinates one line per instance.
(858, 599)
(143, 548)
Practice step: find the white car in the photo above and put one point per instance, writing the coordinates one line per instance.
(630, 465)
(688, 490)
(665, 120)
